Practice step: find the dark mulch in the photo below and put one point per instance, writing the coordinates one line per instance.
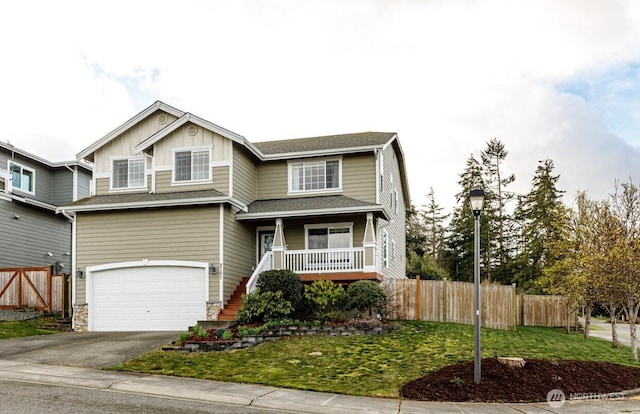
(502, 383)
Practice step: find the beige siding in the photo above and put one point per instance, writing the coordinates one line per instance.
(396, 228)
(294, 229)
(102, 186)
(359, 177)
(272, 180)
(180, 138)
(189, 233)
(239, 252)
(220, 182)
(245, 177)
(123, 145)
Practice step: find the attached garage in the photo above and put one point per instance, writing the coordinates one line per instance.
(147, 295)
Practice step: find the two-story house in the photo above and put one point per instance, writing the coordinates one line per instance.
(186, 214)
(31, 189)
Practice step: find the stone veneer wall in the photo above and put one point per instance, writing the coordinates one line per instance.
(80, 320)
(213, 310)
(285, 331)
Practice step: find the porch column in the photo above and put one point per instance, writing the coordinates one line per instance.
(369, 244)
(278, 247)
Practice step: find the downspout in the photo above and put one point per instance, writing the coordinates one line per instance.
(74, 243)
(221, 257)
(74, 190)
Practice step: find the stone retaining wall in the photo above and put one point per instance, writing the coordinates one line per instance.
(285, 331)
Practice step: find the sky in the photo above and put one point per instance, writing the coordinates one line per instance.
(550, 79)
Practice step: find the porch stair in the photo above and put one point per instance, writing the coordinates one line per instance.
(235, 302)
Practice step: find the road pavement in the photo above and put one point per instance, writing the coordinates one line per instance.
(281, 399)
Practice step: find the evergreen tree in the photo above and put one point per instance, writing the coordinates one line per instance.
(415, 232)
(498, 219)
(434, 225)
(544, 221)
(461, 228)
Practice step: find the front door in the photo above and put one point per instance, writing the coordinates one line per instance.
(265, 241)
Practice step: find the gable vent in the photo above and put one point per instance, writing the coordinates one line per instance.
(192, 130)
(162, 119)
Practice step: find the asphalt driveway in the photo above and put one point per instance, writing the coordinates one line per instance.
(90, 350)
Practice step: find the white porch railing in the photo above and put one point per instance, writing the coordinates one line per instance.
(312, 261)
(325, 260)
(265, 264)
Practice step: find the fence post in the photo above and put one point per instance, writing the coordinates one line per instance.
(514, 305)
(417, 297)
(444, 300)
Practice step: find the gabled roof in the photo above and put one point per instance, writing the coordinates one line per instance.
(343, 143)
(85, 153)
(188, 117)
(307, 206)
(40, 160)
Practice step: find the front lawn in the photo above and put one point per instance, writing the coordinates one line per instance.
(31, 327)
(372, 365)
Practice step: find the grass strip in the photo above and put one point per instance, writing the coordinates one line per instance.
(375, 366)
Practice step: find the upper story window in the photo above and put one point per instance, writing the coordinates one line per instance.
(22, 178)
(192, 165)
(128, 173)
(315, 175)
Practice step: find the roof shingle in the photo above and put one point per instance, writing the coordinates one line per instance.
(329, 142)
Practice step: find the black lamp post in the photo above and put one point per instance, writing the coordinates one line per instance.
(476, 200)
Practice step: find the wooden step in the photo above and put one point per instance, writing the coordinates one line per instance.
(235, 302)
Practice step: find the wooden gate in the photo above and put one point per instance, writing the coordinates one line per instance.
(32, 287)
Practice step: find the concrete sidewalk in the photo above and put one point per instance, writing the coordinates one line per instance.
(279, 399)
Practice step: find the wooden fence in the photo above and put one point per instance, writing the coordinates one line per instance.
(35, 288)
(447, 301)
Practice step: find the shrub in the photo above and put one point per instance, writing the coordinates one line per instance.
(324, 296)
(261, 306)
(285, 281)
(366, 295)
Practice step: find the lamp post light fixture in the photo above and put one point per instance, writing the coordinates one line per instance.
(476, 200)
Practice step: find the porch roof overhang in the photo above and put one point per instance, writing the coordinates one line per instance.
(309, 206)
(150, 200)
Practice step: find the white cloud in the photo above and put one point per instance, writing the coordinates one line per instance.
(446, 75)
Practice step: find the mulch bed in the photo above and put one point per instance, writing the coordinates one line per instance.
(531, 383)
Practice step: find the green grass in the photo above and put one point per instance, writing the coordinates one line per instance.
(372, 365)
(18, 329)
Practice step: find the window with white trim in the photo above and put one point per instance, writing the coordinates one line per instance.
(192, 165)
(333, 236)
(392, 254)
(384, 249)
(315, 175)
(22, 178)
(381, 172)
(128, 173)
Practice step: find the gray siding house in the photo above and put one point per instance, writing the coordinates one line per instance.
(186, 214)
(31, 190)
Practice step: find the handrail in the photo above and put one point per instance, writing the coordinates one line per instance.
(325, 260)
(266, 263)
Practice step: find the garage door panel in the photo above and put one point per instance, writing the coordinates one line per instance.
(147, 298)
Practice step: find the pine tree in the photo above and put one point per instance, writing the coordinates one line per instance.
(544, 221)
(495, 206)
(434, 225)
(461, 228)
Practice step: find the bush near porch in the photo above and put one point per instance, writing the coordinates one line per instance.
(281, 294)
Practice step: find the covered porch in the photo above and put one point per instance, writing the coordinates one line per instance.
(324, 255)
(333, 240)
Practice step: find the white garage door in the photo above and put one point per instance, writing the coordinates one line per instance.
(146, 297)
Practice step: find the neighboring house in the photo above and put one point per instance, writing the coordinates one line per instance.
(185, 212)
(31, 189)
